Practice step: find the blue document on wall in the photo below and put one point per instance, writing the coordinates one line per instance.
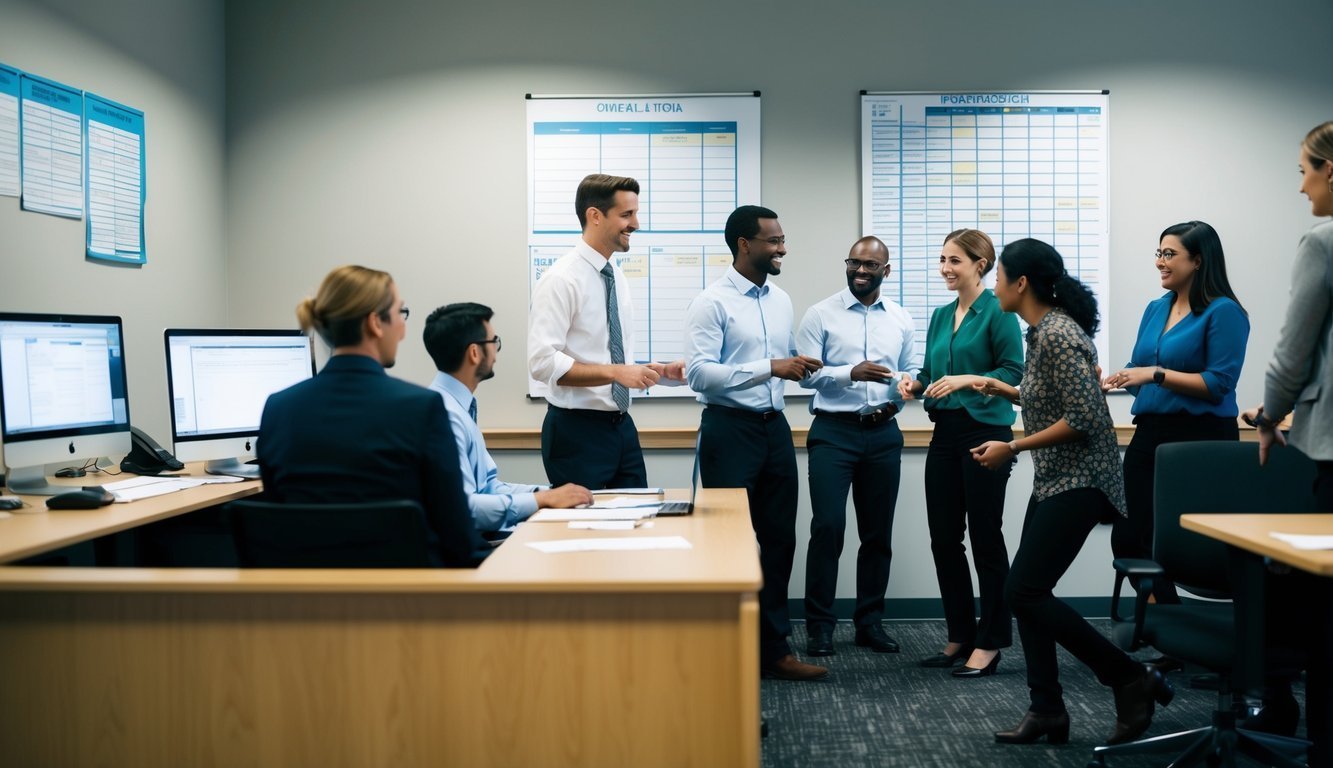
(114, 165)
(9, 131)
(51, 132)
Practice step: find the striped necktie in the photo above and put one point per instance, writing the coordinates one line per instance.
(616, 340)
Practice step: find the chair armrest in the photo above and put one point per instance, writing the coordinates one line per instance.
(1142, 572)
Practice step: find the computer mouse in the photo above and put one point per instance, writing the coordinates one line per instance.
(10, 502)
(88, 498)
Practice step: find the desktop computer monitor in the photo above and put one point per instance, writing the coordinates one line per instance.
(62, 394)
(217, 382)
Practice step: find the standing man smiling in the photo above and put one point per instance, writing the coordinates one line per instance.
(581, 346)
(740, 350)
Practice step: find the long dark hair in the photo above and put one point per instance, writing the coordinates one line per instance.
(1045, 270)
(1210, 282)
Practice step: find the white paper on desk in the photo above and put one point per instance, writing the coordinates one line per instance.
(1304, 540)
(629, 492)
(624, 502)
(604, 525)
(217, 479)
(618, 544)
(566, 515)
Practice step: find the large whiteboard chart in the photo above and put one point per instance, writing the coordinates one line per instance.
(696, 159)
(1011, 164)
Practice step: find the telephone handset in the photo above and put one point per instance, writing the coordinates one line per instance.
(146, 457)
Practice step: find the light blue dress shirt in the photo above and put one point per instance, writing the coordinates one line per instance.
(733, 329)
(495, 505)
(843, 332)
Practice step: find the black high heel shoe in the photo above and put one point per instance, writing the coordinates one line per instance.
(1033, 726)
(946, 660)
(986, 671)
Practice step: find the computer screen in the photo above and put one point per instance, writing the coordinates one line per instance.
(63, 397)
(218, 381)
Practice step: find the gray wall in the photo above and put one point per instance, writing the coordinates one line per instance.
(165, 58)
(391, 134)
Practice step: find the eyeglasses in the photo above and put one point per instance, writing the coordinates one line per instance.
(872, 267)
(1165, 255)
(773, 241)
(495, 341)
(405, 312)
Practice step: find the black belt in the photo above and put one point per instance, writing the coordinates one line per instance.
(745, 414)
(864, 419)
(615, 417)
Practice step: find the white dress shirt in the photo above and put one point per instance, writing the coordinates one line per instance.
(734, 329)
(567, 324)
(843, 332)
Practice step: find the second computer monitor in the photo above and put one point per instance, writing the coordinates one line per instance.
(218, 381)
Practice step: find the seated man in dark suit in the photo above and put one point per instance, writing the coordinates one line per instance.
(353, 434)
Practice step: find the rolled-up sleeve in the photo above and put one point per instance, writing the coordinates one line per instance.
(554, 301)
(1228, 333)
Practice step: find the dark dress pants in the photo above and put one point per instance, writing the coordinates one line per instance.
(1132, 535)
(744, 449)
(1053, 533)
(963, 496)
(594, 449)
(868, 460)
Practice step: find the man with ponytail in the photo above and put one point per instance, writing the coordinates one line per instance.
(353, 433)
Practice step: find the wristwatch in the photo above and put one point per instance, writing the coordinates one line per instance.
(1263, 422)
(1159, 376)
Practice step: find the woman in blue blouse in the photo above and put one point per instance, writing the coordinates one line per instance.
(1182, 373)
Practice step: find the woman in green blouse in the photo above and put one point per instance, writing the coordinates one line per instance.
(968, 338)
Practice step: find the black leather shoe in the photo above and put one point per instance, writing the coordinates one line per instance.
(821, 640)
(1134, 704)
(946, 660)
(986, 671)
(1033, 726)
(876, 639)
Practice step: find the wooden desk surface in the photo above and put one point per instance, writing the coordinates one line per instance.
(29, 532)
(1251, 533)
(718, 530)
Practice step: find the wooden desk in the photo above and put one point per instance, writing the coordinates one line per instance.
(31, 533)
(1250, 532)
(582, 659)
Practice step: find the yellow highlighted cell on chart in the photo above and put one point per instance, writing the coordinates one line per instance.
(988, 215)
(719, 259)
(960, 180)
(1066, 227)
(964, 133)
(1089, 202)
(676, 140)
(634, 266)
(719, 139)
(964, 167)
(1065, 202)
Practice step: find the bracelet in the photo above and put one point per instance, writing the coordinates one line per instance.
(1013, 447)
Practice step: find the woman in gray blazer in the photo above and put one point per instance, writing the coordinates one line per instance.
(1300, 378)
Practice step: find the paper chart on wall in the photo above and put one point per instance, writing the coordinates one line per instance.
(51, 130)
(9, 131)
(114, 165)
(696, 159)
(1009, 163)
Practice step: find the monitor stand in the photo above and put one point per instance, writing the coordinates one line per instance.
(234, 467)
(33, 482)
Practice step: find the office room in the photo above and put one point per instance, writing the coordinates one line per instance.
(285, 139)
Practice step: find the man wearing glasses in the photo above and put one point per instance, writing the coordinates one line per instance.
(581, 346)
(740, 353)
(866, 343)
(464, 346)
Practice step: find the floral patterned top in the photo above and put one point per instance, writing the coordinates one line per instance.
(1060, 382)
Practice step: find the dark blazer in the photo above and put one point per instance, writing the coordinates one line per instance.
(353, 433)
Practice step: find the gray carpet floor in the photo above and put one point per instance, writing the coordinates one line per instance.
(884, 710)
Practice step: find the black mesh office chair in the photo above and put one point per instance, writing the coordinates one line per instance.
(1218, 478)
(381, 534)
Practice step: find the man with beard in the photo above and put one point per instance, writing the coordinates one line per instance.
(740, 351)
(865, 342)
(464, 347)
(581, 346)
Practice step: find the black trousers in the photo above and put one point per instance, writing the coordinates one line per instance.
(868, 460)
(594, 449)
(744, 449)
(1053, 533)
(963, 496)
(1132, 535)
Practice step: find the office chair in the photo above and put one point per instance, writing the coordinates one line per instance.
(1216, 477)
(379, 534)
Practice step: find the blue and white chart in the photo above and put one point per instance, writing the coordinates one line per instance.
(696, 159)
(1011, 164)
(9, 131)
(115, 173)
(51, 129)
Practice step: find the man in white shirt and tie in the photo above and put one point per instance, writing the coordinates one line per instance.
(465, 347)
(581, 346)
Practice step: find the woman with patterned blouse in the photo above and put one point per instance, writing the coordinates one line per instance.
(1077, 484)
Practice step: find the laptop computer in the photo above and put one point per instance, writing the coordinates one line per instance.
(677, 508)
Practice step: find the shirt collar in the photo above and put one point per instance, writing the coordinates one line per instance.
(590, 255)
(354, 362)
(743, 285)
(455, 389)
(849, 301)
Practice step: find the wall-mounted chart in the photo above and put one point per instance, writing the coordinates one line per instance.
(1012, 164)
